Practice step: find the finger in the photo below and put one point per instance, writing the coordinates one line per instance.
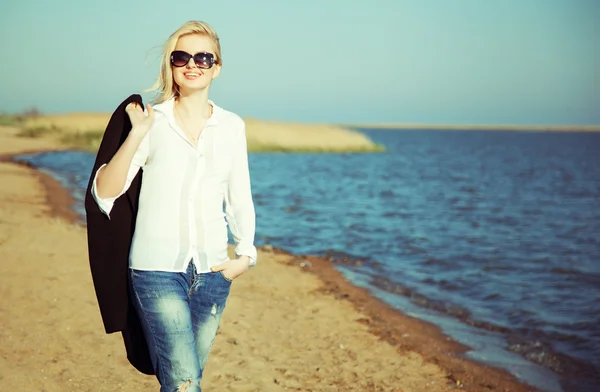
(150, 110)
(219, 267)
(134, 107)
(130, 106)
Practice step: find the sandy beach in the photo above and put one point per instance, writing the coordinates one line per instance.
(288, 325)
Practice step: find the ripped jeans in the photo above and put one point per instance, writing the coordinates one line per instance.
(180, 314)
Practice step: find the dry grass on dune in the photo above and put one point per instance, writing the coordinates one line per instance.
(71, 123)
(281, 136)
(78, 130)
(85, 130)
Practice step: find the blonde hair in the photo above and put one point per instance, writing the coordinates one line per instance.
(164, 86)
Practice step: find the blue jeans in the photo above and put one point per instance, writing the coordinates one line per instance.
(180, 314)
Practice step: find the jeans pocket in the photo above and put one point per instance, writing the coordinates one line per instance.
(225, 277)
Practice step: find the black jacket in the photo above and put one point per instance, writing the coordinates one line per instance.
(109, 241)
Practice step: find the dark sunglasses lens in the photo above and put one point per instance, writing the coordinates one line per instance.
(179, 58)
(204, 60)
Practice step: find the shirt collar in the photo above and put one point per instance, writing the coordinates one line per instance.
(167, 107)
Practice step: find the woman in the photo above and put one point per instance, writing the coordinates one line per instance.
(194, 160)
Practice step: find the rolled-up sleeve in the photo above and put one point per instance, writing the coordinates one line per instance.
(239, 206)
(138, 162)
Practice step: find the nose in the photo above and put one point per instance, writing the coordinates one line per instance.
(193, 63)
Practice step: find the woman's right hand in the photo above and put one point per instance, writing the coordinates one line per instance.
(139, 120)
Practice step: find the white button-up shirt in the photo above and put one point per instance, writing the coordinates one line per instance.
(190, 194)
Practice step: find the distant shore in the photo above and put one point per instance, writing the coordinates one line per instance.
(85, 130)
(477, 127)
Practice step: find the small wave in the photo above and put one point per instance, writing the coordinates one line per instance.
(564, 271)
(414, 250)
(432, 261)
(339, 257)
(396, 214)
(491, 296)
(466, 208)
(443, 283)
(497, 267)
(543, 354)
(390, 286)
(467, 189)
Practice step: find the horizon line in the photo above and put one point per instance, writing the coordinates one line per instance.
(474, 126)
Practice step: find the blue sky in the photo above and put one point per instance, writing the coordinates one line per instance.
(425, 61)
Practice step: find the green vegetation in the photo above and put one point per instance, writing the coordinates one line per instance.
(37, 132)
(19, 118)
(8, 120)
(88, 141)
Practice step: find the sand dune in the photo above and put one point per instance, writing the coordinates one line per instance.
(71, 122)
(266, 135)
(85, 130)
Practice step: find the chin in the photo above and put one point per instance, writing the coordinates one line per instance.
(195, 85)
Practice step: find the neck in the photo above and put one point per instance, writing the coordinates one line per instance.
(194, 104)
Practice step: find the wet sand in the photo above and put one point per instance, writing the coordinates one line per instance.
(288, 324)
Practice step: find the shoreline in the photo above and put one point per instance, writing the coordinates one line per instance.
(404, 333)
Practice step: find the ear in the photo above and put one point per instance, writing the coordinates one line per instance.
(216, 71)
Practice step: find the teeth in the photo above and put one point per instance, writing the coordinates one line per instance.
(191, 74)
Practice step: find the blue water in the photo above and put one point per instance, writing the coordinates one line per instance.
(491, 235)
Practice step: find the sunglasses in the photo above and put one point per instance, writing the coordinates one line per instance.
(203, 60)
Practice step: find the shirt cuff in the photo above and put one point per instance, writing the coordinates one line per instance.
(105, 204)
(250, 252)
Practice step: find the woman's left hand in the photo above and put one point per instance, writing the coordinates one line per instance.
(233, 268)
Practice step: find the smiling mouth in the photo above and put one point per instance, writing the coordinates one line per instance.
(191, 75)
